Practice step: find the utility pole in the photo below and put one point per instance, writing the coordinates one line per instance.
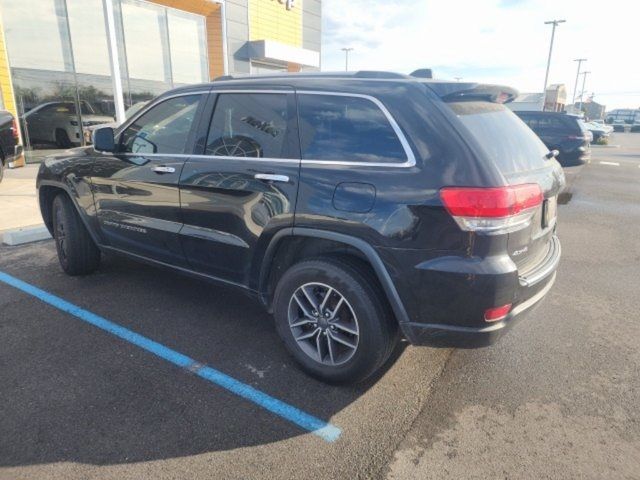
(584, 79)
(346, 51)
(457, 79)
(575, 87)
(555, 23)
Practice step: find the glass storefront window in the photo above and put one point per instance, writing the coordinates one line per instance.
(188, 47)
(36, 41)
(88, 37)
(144, 40)
(61, 71)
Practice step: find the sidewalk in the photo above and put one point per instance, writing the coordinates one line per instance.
(18, 198)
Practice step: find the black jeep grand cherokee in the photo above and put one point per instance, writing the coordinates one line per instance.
(353, 206)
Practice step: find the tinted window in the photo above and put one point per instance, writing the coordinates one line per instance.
(249, 125)
(164, 128)
(346, 128)
(504, 138)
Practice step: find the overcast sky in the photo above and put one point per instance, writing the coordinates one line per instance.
(498, 41)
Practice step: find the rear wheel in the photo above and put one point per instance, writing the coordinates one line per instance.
(332, 318)
(1, 169)
(77, 252)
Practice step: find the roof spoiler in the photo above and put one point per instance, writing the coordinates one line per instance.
(460, 92)
(422, 73)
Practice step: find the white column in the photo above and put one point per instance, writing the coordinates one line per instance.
(114, 61)
(225, 51)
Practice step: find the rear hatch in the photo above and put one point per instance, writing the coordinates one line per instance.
(522, 158)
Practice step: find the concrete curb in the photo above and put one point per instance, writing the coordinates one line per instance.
(605, 146)
(20, 236)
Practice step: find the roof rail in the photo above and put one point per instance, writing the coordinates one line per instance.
(359, 74)
(378, 74)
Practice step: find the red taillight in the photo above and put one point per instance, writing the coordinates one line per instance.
(497, 313)
(14, 129)
(492, 209)
(491, 202)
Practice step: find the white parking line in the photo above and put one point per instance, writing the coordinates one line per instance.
(615, 164)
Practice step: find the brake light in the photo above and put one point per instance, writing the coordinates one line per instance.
(492, 210)
(497, 313)
(14, 130)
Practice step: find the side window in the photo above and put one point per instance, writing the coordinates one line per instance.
(526, 119)
(249, 125)
(164, 128)
(347, 129)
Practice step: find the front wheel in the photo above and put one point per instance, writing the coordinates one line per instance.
(333, 319)
(77, 252)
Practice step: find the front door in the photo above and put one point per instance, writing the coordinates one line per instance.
(242, 188)
(136, 189)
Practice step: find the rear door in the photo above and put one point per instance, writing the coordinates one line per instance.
(242, 186)
(136, 189)
(521, 158)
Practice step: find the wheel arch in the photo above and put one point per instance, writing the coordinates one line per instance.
(47, 191)
(327, 242)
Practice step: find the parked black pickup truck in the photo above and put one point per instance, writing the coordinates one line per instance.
(10, 147)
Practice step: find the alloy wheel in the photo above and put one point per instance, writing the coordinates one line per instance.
(61, 233)
(323, 324)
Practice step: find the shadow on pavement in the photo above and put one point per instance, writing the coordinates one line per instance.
(73, 393)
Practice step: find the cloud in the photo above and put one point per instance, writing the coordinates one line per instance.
(499, 41)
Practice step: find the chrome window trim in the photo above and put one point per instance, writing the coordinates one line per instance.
(410, 162)
(213, 157)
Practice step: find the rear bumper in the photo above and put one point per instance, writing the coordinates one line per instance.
(441, 335)
(526, 292)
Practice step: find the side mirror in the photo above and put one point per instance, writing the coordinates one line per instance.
(552, 154)
(103, 139)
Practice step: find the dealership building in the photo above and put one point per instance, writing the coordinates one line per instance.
(66, 63)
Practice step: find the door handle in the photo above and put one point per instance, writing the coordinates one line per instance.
(163, 169)
(271, 177)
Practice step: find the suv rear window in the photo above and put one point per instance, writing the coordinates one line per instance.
(505, 138)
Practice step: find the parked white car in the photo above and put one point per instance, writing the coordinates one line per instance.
(57, 122)
(598, 130)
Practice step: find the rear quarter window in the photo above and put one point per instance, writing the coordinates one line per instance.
(503, 137)
(346, 128)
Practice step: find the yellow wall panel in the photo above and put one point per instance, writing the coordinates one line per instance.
(6, 88)
(270, 20)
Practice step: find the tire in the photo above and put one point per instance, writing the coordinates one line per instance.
(62, 139)
(77, 252)
(362, 298)
(1, 169)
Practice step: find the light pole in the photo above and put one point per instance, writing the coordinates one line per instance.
(584, 79)
(555, 23)
(575, 87)
(457, 79)
(346, 51)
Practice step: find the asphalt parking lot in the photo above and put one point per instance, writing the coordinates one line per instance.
(556, 398)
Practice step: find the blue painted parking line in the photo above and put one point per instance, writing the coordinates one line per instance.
(308, 422)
